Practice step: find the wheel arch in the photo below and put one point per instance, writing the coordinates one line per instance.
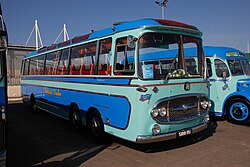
(90, 111)
(72, 104)
(229, 99)
(32, 97)
(95, 123)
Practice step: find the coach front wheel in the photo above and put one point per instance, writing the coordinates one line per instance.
(238, 111)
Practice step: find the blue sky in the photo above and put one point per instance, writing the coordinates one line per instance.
(223, 22)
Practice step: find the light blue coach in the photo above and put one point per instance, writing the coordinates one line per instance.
(229, 74)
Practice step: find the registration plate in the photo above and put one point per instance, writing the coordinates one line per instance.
(184, 133)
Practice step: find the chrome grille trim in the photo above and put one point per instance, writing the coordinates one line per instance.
(184, 107)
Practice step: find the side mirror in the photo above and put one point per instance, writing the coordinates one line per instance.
(3, 35)
(131, 41)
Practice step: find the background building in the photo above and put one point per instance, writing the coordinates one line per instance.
(15, 54)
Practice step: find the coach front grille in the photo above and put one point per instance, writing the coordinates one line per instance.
(181, 108)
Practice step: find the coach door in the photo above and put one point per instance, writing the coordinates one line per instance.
(219, 82)
(3, 84)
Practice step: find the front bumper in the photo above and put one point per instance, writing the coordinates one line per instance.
(168, 136)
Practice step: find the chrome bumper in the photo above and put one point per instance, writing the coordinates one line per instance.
(168, 136)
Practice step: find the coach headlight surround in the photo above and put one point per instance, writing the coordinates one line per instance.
(154, 113)
(156, 129)
(205, 103)
(162, 111)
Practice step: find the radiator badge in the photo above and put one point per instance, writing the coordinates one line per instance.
(184, 108)
(145, 97)
(187, 86)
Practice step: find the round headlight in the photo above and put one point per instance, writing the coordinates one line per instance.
(156, 129)
(154, 113)
(204, 104)
(162, 111)
(209, 104)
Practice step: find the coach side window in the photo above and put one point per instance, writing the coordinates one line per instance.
(32, 69)
(52, 63)
(63, 62)
(221, 69)
(124, 60)
(26, 67)
(104, 67)
(82, 60)
(36, 65)
(209, 67)
(235, 67)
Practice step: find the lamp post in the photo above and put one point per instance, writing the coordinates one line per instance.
(163, 4)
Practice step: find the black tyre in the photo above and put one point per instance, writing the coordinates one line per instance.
(75, 118)
(95, 125)
(33, 103)
(238, 111)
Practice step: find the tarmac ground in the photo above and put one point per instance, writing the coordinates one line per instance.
(42, 139)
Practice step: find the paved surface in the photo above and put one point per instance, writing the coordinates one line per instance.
(41, 139)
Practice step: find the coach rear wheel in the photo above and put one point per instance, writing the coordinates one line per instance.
(238, 111)
(75, 118)
(96, 125)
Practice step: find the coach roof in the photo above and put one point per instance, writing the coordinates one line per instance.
(223, 52)
(217, 51)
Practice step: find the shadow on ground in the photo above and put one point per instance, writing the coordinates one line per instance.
(41, 139)
(223, 118)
